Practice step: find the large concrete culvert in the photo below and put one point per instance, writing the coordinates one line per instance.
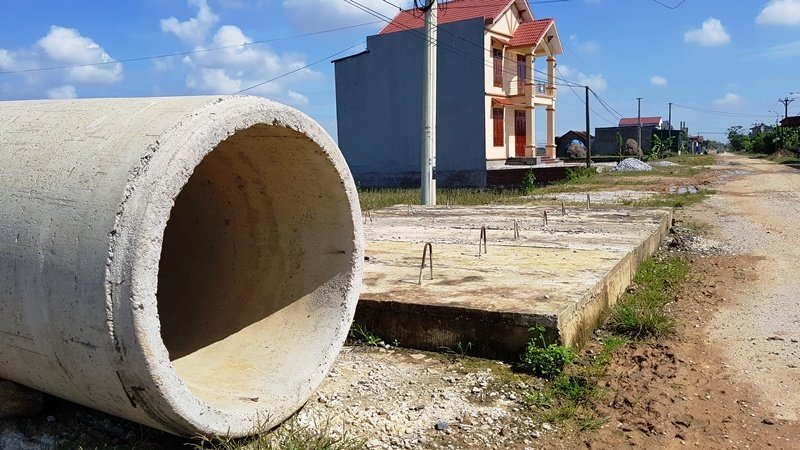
(192, 264)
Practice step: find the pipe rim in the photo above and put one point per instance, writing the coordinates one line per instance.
(135, 249)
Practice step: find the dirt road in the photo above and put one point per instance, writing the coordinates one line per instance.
(759, 329)
(730, 377)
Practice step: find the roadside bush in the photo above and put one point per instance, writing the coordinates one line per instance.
(528, 183)
(543, 360)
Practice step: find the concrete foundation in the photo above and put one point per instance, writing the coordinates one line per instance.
(563, 275)
(191, 264)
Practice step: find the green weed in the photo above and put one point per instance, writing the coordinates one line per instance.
(528, 183)
(289, 436)
(360, 333)
(641, 312)
(545, 360)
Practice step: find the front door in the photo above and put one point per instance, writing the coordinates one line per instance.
(519, 134)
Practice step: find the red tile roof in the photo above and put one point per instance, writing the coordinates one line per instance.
(633, 121)
(791, 122)
(452, 11)
(529, 34)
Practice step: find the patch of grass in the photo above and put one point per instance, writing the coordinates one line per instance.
(461, 349)
(580, 175)
(692, 160)
(669, 200)
(289, 436)
(545, 360)
(697, 228)
(528, 183)
(640, 313)
(381, 198)
(360, 333)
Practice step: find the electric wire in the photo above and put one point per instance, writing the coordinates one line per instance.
(720, 113)
(186, 53)
(453, 49)
(331, 56)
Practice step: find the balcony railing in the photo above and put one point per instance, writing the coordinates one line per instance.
(517, 87)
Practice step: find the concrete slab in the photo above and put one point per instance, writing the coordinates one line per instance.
(561, 275)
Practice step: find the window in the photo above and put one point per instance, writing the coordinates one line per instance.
(497, 119)
(497, 64)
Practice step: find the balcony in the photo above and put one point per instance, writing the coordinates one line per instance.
(515, 86)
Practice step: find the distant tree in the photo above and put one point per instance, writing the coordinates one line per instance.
(738, 141)
(620, 145)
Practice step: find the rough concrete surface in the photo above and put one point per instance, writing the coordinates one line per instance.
(188, 263)
(560, 275)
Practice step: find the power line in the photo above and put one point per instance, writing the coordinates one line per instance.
(720, 113)
(186, 53)
(389, 20)
(676, 6)
(584, 101)
(299, 68)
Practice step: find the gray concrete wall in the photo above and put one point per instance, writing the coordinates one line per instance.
(605, 138)
(379, 108)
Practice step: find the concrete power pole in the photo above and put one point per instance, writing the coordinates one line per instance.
(588, 132)
(639, 122)
(428, 196)
(785, 102)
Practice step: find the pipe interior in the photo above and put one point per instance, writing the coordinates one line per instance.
(254, 270)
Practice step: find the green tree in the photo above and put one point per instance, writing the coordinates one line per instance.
(738, 141)
(620, 145)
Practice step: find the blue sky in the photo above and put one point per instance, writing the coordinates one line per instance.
(721, 62)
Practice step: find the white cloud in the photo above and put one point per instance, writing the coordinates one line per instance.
(780, 12)
(728, 100)
(297, 99)
(194, 30)
(65, 91)
(61, 46)
(6, 60)
(711, 33)
(238, 66)
(66, 46)
(312, 14)
(658, 80)
(588, 47)
(594, 81)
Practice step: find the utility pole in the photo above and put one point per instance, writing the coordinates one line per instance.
(588, 133)
(639, 122)
(785, 102)
(669, 132)
(428, 182)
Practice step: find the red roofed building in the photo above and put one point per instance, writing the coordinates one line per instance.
(646, 122)
(496, 69)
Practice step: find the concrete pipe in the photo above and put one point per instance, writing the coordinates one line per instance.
(191, 264)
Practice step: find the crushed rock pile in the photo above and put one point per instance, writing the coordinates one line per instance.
(632, 164)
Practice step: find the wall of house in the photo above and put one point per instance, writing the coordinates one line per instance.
(605, 142)
(379, 108)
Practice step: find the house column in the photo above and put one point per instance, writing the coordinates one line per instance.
(530, 111)
(551, 108)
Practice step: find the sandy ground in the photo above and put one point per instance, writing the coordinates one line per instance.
(759, 329)
(727, 379)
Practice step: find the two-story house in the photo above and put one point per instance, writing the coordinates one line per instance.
(496, 69)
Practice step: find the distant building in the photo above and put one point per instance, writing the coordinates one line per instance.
(654, 122)
(496, 67)
(791, 122)
(758, 129)
(605, 141)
